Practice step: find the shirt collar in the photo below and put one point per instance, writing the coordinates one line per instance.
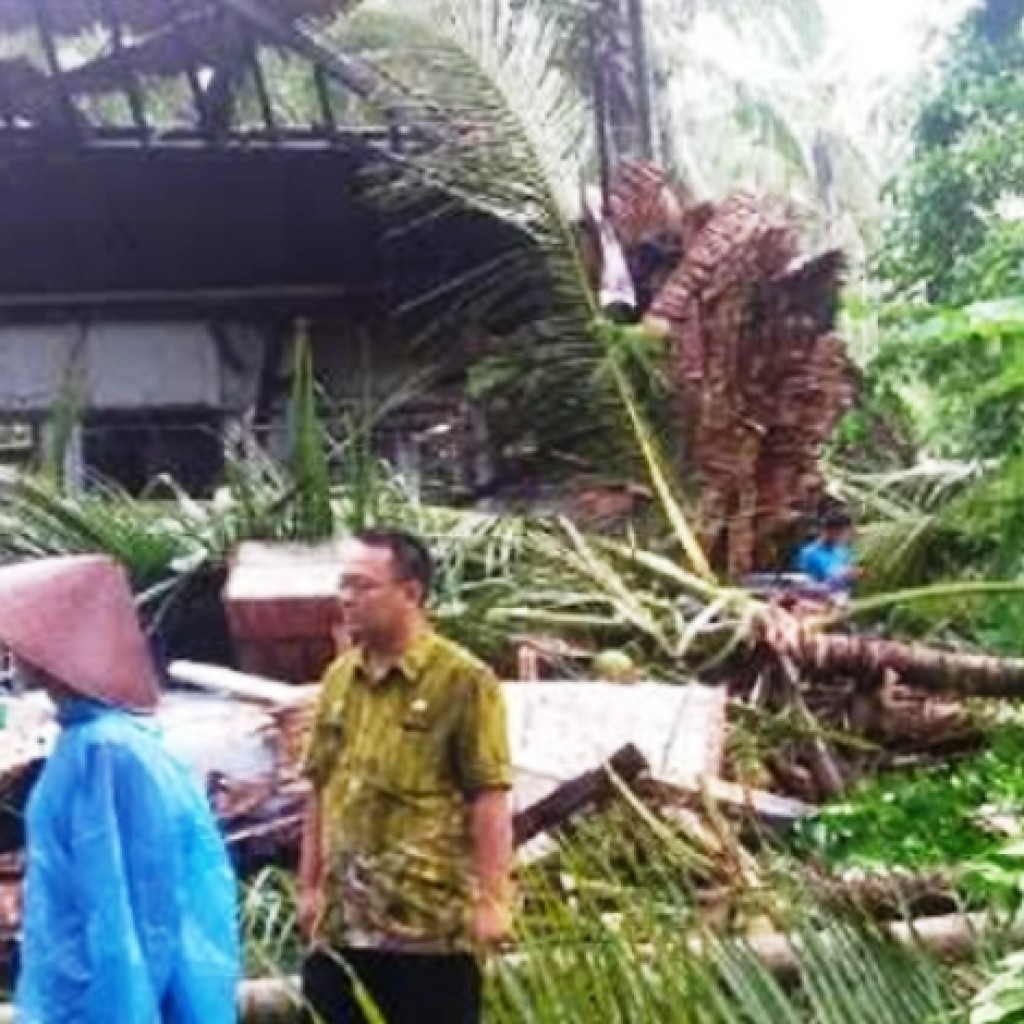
(72, 710)
(78, 710)
(411, 665)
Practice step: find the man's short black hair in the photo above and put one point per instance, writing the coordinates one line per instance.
(410, 554)
(837, 519)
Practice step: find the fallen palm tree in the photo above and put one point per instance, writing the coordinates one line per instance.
(869, 659)
(759, 376)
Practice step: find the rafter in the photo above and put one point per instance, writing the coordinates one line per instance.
(183, 38)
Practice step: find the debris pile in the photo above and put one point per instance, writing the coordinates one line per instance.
(839, 705)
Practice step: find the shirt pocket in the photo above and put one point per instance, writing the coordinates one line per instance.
(419, 764)
(333, 734)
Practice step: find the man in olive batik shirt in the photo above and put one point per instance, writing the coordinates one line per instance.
(407, 847)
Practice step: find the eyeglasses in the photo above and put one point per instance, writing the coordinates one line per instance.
(359, 587)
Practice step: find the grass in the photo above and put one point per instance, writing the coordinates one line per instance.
(273, 946)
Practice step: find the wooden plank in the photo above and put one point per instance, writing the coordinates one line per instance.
(769, 807)
(44, 24)
(322, 85)
(190, 58)
(588, 791)
(188, 301)
(125, 71)
(266, 102)
(257, 689)
(361, 77)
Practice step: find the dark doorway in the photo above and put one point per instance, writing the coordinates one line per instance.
(132, 448)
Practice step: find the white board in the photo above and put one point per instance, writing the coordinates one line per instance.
(559, 730)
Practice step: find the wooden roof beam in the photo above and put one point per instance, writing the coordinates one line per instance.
(358, 75)
(71, 120)
(132, 89)
(262, 90)
(190, 54)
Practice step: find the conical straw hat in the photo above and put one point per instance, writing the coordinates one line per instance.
(75, 619)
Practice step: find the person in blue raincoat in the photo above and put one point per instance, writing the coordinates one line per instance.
(130, 900)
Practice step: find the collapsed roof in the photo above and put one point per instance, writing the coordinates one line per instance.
(205, 155)
(172, 69)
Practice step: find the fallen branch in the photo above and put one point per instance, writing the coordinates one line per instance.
(768, 808)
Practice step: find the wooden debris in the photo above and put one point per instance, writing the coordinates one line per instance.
(241, 685)
(768, 808)
(281, 602)
(588, 791)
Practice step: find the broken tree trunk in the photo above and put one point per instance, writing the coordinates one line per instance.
(889, 896)
(591, 789)
(967, 675)
(952, 937)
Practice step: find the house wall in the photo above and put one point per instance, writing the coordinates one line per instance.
(147, 398)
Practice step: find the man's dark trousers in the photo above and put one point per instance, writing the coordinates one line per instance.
(406, 988)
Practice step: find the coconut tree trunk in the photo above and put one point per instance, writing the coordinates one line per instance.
(953, 937)
(967, 675)
(618, 53)
(641, 80)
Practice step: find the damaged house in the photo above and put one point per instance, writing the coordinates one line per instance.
(168, 212)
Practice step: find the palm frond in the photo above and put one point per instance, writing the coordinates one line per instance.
(612, 930)
(36, 520)
(314, 518)
(924, 524)
(514, 153)
(656, 467)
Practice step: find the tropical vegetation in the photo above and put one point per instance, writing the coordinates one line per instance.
(721, 387)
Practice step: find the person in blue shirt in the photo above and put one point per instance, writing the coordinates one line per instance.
(828, 560)
(130, 905)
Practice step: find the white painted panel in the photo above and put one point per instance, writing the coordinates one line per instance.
(145, 365)
(114, 366)
(33, 362)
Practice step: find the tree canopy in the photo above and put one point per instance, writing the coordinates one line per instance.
(957, 232)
